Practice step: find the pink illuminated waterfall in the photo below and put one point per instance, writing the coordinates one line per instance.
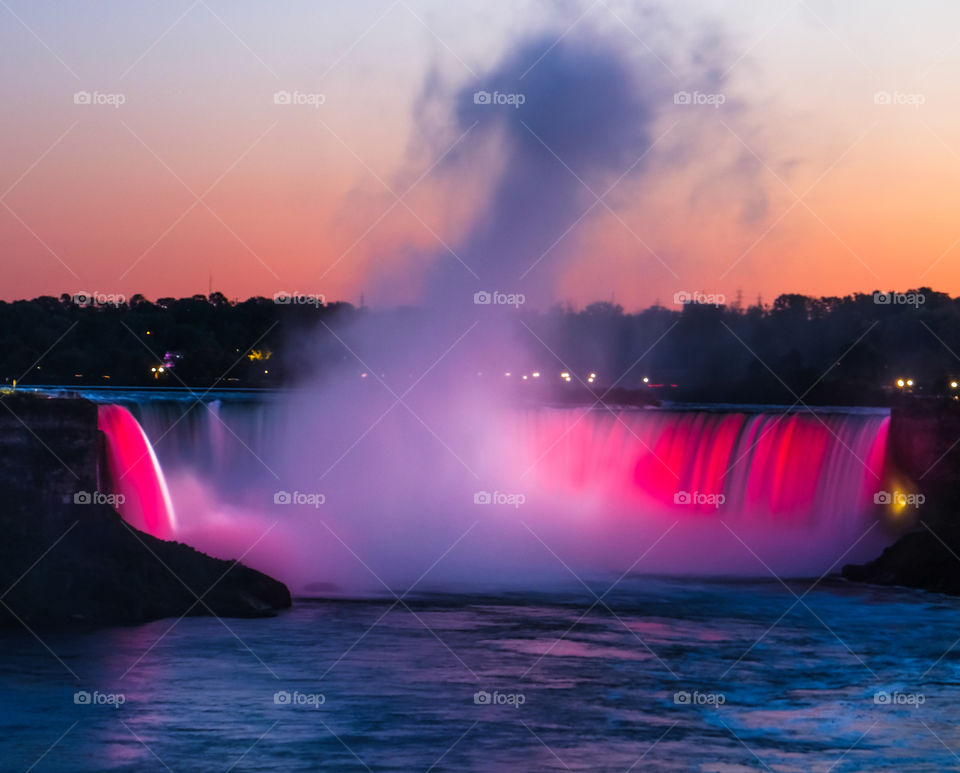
(135, 473)
(723, 492)
(784, 467)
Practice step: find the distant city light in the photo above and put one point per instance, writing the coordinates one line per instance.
(536, 374)
(909, 382)
(524, 378)
(954, 384)
(363, 375)
(507, 373)
(901, 383)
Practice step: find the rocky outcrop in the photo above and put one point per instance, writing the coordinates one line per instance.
(920, 559)
(63, 562)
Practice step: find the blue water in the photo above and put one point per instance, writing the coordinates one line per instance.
(773, 684)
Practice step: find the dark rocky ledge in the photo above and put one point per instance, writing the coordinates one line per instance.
(65, 563)
(917, 560)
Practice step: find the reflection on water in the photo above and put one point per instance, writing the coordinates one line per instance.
(763, 682)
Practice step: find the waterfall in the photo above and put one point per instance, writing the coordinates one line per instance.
(739, 491)
(797, 466)
(135, 473)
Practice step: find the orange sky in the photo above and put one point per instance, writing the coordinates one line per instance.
(92, 199)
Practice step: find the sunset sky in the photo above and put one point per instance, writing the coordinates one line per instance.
(832, 165)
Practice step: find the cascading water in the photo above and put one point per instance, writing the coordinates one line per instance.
(777, 466)
(135, 473)
(703, 492)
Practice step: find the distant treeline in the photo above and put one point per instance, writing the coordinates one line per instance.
(849, 350)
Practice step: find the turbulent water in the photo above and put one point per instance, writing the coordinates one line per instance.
(574, 684)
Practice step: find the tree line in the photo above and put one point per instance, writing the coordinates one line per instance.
(844, 350)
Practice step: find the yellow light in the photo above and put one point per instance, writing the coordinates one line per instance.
(565, 375)
(909, 382)
(900, 382)
(646, 380)
(954, 384)
(148, 332)
(153, 370)
(593, 375)
(161, 370)
(266, 371)
(536, 374)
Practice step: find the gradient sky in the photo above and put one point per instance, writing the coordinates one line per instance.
(297, 198)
